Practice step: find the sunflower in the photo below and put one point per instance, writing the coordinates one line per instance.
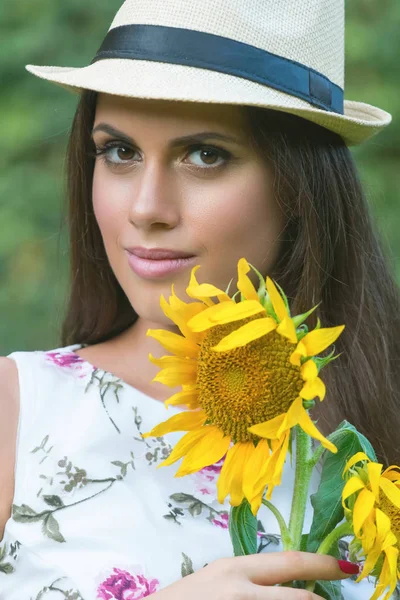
(247, 370)
(371, 499)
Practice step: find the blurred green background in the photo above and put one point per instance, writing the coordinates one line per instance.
(36, 117)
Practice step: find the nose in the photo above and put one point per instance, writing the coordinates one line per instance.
(154, 198)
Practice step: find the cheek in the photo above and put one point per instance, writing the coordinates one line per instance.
(109, 213)
(241, 214)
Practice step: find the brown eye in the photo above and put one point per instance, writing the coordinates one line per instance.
(209, 156)
(124, 153)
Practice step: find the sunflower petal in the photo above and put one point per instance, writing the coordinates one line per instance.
(292, 416)
(227, 474)
(173, 361)
(255, 463)
(225, 312)
(309, 370)
(244, 283)
(185, 397)
(236, 489)
(180, 321)
(184, 421)
(287, 329)
(363, 506)
(319, 339)
(358, 457)
(207, 451)
(391, 491)
(308, 426)
(186, 442)
(173, 376)
(277, 300)
(374, 473)
(311, 389)
(246, 333)
(193, 287)
(175, 343)
(268, 429)
(353, 485)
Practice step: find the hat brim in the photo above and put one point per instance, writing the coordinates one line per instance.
(157, 80)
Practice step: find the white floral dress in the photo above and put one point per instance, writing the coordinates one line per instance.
(93, 517)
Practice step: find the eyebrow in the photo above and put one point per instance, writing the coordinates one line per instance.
(175, 143)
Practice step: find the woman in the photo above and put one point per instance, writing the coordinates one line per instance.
(204, 133)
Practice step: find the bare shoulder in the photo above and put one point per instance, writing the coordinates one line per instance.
(9, 411)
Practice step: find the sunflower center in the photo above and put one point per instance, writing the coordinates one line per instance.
(247, 385)
(394, 515)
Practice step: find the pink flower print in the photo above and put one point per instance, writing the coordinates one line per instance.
(205, 480)
(122, 585)
(68, 360)
(221, 521)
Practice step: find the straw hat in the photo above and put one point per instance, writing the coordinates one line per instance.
(287, 55)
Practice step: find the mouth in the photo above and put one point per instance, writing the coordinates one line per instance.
(151, 268)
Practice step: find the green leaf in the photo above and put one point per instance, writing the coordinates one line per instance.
(327, 502)
(51, 528)
(25, 514)
(243, 529)
(7, 569)
(330, 590)
(187, 565)
(53, 501)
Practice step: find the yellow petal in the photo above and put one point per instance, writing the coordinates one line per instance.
(177, 344)
(236, 488)
(207, 290)
(185, 397)
(225, 312)
(309, 370)
(184, 421)
(314, 388)
(299, 352)
(363, 505)
(244, 283)
(193, 286)
(383, 525)
(173, 376)
(207, 451)
(292, 417)
(374, 474)
(392, 473)
(228, 473)
(353, 485)
(186, 442)
(246, 333)
(358, 457)
(391, 491)
(179, 319)
(388, 575)
(173, 361)
(268, 429)
(308, 426)
(277, 300)
(319, 339)
(287, 329)
(255, 463)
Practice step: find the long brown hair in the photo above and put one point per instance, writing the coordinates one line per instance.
(330, 254)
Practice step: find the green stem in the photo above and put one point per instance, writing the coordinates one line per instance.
(332, 538)
(285, 535)
(317, 455)
(304, 468)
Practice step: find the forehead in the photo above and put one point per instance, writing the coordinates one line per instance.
(169, 113)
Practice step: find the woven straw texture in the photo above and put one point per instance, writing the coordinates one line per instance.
(307, 31)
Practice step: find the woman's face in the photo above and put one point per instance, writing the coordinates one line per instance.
(211, 198)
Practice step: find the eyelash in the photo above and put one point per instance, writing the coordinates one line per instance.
(102, 153)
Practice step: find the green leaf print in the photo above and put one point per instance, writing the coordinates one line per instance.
(187, 565)
(5, 568)
(25, 514)
(53, 501)
(51, 528)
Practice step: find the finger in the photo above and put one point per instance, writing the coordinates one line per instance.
(279, 567)
(277, 593)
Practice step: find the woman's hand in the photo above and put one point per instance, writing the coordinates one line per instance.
(254, 577)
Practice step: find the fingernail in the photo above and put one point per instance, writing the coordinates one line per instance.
(348, 567)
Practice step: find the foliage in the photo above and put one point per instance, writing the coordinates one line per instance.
(36, 117)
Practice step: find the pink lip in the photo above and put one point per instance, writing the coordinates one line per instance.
(150, 269)
(158, 253)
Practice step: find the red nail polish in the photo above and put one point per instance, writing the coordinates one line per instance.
(348, 567)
